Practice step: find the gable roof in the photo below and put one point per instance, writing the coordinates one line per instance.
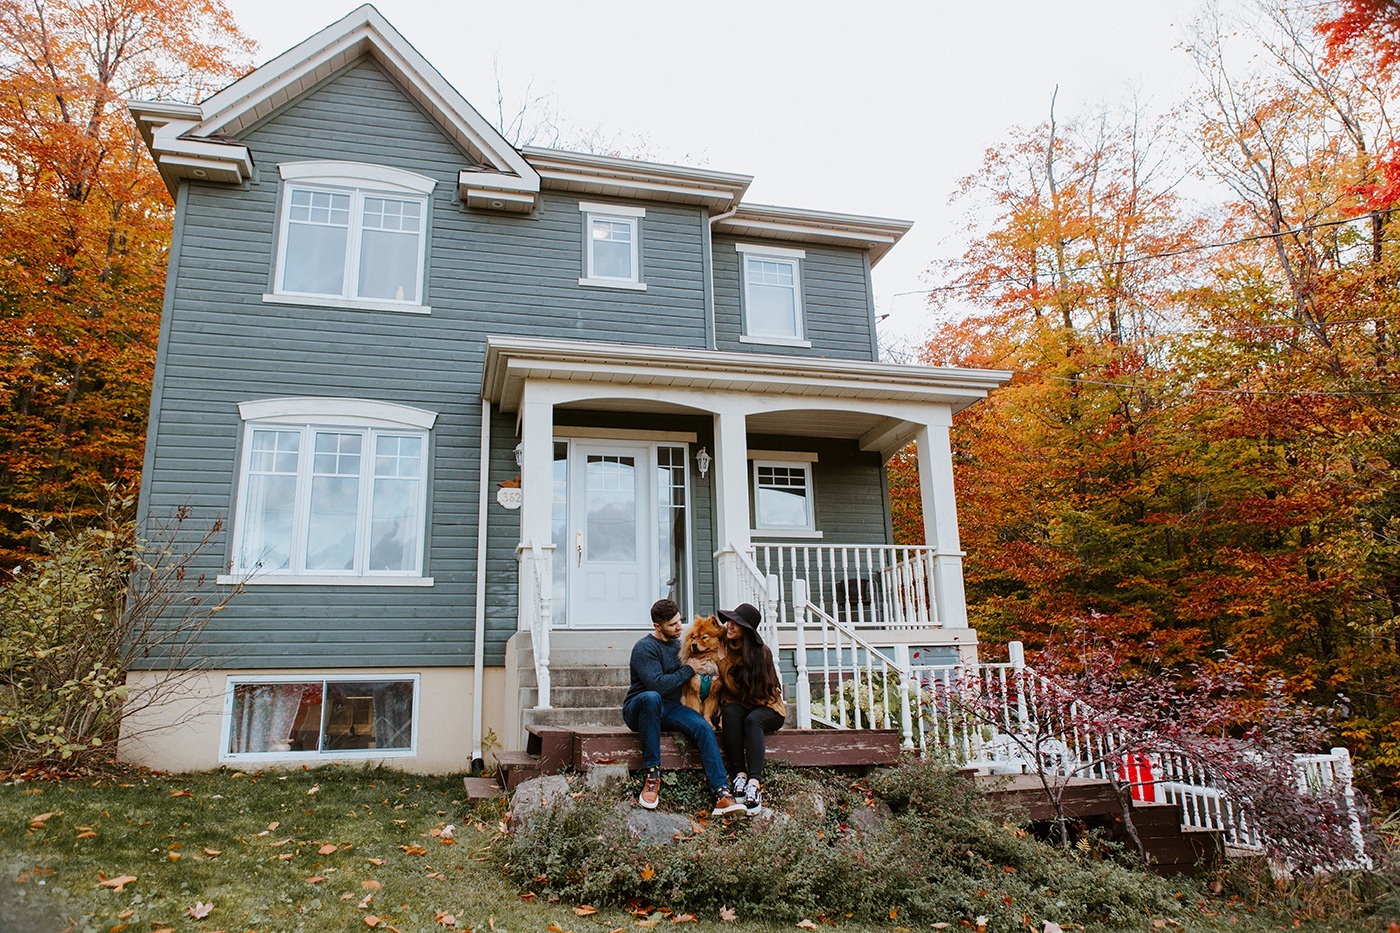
(196, 140)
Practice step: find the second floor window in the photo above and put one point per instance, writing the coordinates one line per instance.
(353, 233)
(612, 245)
(772, 293)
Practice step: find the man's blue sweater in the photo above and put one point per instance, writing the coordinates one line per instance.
(656, 665)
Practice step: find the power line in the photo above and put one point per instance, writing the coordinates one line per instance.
(1145, 257)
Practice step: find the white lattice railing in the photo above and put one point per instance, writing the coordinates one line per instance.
(889, 587)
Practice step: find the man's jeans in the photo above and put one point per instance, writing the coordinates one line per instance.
(648, 715)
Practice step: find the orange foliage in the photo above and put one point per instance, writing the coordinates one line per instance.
(87, 229)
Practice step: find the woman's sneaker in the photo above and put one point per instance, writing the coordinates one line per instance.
(741, 783)
(753, 797)
(725, 804)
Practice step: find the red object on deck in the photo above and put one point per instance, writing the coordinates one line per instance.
(1136, 770)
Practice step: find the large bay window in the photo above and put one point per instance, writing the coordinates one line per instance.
(331, 491)
(352, 235)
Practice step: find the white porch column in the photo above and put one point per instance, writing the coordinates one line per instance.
(941, 515)
(731, 466)
(536, 485)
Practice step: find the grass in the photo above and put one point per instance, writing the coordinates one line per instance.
(258, 847)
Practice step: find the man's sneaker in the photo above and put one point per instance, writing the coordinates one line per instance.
(753, 797)
(725, 804)
(651, 790)
(741, 781)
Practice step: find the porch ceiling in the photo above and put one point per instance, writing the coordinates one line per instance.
(684, 376)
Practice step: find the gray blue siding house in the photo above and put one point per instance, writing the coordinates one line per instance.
(466, 411)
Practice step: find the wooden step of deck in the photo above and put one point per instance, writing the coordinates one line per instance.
(802, 748)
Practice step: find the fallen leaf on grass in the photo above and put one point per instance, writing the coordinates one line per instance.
(647, 872)
(88, 834)
(728, 914)
(164, 930)
(368, 899)
(200, 910)
(1053, 927)
(445, 920)
(554, 928)
(181, 793)
(894, 913)
(173, 856)
(940, 926)
(120, 926)
(528, 897)
(414, 849)
(369, 884)
(315, 789)
(806, 925)
(371, 920)
(315, 879)
(286, 856)
(684, 918)
(116, 884)
(213, 853)
(328, 848)
(583, 910)
(375, 861)
(125, 913)
(647, 923)
(273, 825)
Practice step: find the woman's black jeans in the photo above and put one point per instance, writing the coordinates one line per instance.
(742, 732)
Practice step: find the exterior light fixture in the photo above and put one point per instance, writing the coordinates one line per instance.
(702, 460)
(519, 453)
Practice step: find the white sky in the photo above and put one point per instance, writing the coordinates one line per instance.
(869, 108)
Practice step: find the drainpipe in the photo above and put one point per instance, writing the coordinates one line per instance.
(479, 642)
(710, 339)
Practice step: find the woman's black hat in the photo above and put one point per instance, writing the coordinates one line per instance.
(745, 616)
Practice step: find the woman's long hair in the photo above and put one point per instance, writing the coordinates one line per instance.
(754, 679)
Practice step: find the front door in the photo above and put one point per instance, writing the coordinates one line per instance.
(625, 537)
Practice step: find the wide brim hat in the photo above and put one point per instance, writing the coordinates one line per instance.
(746, 616)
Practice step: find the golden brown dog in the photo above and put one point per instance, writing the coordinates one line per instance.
(702, 648)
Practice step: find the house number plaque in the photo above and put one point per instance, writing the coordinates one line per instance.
(509, 497)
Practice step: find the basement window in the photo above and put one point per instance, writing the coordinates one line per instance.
(281, 718)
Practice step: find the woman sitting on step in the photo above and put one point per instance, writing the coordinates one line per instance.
(753, 702)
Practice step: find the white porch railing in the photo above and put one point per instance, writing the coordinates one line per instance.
(537, 607)
(889, 587)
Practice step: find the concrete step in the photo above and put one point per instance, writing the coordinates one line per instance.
(579, 675)
(561, 716)
(564, 695)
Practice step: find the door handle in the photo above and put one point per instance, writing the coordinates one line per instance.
(578, 543)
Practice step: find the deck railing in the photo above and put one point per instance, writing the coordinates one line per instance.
(537, 604)
(890, 587)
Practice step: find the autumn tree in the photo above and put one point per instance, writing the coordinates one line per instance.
(86, 224)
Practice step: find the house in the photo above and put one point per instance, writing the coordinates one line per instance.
(465, 411)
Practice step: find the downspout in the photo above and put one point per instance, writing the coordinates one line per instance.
(711, 341)
(479, 642)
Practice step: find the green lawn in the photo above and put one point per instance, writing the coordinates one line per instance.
(329, 849)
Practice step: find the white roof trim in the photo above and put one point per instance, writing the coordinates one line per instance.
(510, 362)
(610, 176)
(363, 31)
(876, 234)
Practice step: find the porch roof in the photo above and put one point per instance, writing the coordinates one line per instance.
(512, 361)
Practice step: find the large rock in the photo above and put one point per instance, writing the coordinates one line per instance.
(867, 821)
(600, 776)
(534, 795)
(656, 827)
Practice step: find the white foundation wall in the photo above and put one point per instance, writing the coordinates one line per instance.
(184, 729)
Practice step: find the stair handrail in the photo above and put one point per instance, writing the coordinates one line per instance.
(541, 601)
(841, 637)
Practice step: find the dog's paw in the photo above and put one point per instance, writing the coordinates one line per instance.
(704, 666)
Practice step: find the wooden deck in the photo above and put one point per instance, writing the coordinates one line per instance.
(555, 749)
(1172, 850)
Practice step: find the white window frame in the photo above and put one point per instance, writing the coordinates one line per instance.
(614, 213)
(343, 416)
(358, 181)
(311, 677)
(793, 258)
(803, 463)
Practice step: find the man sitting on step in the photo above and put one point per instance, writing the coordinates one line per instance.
(653, 704)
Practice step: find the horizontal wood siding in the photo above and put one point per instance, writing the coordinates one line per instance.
(487, 274)
(835, 302)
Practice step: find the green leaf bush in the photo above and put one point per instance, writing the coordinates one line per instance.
(940, 856)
